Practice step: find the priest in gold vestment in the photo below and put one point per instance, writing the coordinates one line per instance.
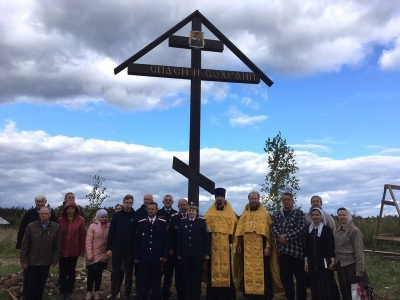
(253, 240)
(221, 221)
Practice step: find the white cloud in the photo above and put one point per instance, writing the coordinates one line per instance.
(390, 59)
(64, 52)
(34, 162)
(237, 118)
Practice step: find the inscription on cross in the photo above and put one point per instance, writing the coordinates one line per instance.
(195, 43)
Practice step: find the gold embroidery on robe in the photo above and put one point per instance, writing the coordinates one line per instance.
(220, 260)
(222, 225)
(255, 223)
(253, 264)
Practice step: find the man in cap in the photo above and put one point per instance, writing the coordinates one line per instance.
(254, 240)
(173, 244)
(221, 222)
(193, 249)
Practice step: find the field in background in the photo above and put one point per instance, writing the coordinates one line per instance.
(383, 272)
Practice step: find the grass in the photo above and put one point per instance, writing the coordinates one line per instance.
(384, 277)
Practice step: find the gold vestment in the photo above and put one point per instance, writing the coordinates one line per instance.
(252, 227)
(222, 225)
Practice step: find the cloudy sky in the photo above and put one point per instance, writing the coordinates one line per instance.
(64, 115)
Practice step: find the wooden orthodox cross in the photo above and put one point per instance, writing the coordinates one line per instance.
(195, 43)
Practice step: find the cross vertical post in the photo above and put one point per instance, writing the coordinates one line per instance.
(195, 113)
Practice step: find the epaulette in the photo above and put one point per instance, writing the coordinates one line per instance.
(202, 218)
(161, 219)
(143, 220)
(174, 214)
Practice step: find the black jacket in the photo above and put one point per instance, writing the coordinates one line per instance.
(31, 215)
(121, 234)
(173, 231)
(151, 241)
(193, 238)
(162, 213)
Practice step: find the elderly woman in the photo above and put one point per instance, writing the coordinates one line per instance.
(320, 258)
(73, 236)
(96, 252)
(316, 202)
(349, 249)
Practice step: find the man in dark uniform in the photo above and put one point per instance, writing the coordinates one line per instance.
(193, 248)
(173, 242)
(150, 252)
(166, 213)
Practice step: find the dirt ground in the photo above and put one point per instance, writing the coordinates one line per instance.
(80, 292)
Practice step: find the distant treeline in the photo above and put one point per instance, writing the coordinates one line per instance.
(14, 215)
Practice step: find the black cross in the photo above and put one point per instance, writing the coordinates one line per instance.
(196, 74)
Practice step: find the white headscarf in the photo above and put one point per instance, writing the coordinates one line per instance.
(323, 221)
(349, 216)
(99, 214)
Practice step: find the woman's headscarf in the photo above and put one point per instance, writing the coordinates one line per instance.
(99, 214)
(349, 215)
(316, 196)
(323, 221)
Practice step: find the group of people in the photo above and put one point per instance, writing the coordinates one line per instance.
(255, 252)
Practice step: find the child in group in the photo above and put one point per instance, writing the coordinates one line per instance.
(96, 252)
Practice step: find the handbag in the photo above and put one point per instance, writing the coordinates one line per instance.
(362, 291)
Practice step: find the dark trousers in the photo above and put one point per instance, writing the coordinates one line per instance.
(179, 279)
(67, 266)
(169, 267)
(94, 277)
(347, 276)
(35, 281)
(149, 276)
(289, 266)
(193, 273)
(119, 257)
(121, 278)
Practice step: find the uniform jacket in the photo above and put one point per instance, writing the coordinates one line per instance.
(121, 235)
(167, 216)
(349, 246)
(41, 247)
(151, 241)
(174, 230)
(293, 228)
(96, 243)
(73, 233)
(31, 215)
(193, 238)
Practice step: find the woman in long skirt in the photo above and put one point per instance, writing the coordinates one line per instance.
(320, 258)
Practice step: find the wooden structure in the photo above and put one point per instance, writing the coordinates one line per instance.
(393, 202)
(196, 43)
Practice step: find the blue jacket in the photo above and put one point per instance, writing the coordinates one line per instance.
(193, 238)
(151, 241)
(173, 231)
(121, 234)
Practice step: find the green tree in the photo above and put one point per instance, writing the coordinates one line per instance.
(96, 197)
(280, 178)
